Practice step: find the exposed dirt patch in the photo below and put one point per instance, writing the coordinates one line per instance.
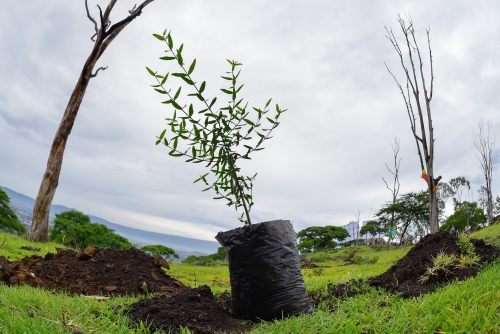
(195, 309)
(95, 271)
(342, 290)
(404, 276)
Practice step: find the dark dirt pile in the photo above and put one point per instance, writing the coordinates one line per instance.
(95, 271)
(195, 309)
(404, 276)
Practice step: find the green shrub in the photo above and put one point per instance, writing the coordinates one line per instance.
(8, 219)
(74, 229)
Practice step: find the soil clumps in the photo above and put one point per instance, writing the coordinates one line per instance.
(195, 309)
(94, 271)
(411, 276)
(406, 276)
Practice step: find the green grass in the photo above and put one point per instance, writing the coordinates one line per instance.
(338, 272)
(11, 247)
(490, 235)
(217, 277)
(471, 306)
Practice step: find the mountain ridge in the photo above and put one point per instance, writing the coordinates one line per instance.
(191, 246)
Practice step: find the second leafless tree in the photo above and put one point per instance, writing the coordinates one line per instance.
(394, 189)
(418, 107)
(485, 145)
(105, 33)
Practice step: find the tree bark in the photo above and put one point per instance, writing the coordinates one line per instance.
(50, 180)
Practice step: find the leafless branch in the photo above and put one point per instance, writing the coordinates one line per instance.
(485, 146)
(425, 138)
(91, 19)
(100, 68)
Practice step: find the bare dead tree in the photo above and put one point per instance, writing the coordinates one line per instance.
(105, 33)
(485, 146)
(394, 189)
(424, 136)
(357, 214)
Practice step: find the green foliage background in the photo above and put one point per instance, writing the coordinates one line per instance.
(74, 229)
(9, 221)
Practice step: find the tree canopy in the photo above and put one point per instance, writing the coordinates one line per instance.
(465, 213)
(74, 229)
(317, 238)
(161, 250)
(9, 221)
(373, 228)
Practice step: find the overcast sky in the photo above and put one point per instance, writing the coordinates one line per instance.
(321, 60)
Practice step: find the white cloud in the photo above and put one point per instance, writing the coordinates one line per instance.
(323, 61)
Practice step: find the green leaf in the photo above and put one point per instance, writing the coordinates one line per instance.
(176, 106)
(202, 87)
(162, 134)
(180, 75)
(193, 151)
(169, 42)
(188, 81)
(191, 68)
(177, 93)
(179, 59)
(164, 79)
(271, 120)
(176, 140)
(227, 78)
(200, 97)
(191, 110)
(226, 91)
(249, 122)
(160, 91)
(201, 177)
(239, 88)
(159, 37)
(268, 102)
(172, 153)
(167, 58)
(167, 102)
(151, 72)
(213, 102)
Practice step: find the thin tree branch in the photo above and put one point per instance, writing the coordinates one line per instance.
(91, 19)
(100, 68)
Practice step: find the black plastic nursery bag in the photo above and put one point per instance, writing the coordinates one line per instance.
(264, 267)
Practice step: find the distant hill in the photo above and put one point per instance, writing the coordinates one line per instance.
(23, 206)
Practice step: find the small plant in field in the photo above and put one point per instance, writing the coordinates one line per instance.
(467, 261)
(465, 244)
(442, 262)
(318, 271)
(365, 260)
(219, 137)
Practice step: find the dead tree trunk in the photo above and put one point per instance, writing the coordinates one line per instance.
(105, 33)
(397, 162)
(424, 137)
(485, 146)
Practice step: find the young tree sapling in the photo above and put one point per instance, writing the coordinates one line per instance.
(218, 137)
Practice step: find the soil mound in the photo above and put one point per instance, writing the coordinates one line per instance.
(95, 271)
(405, 276)
(195, 309)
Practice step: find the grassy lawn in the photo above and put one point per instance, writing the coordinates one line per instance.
(471, 306)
